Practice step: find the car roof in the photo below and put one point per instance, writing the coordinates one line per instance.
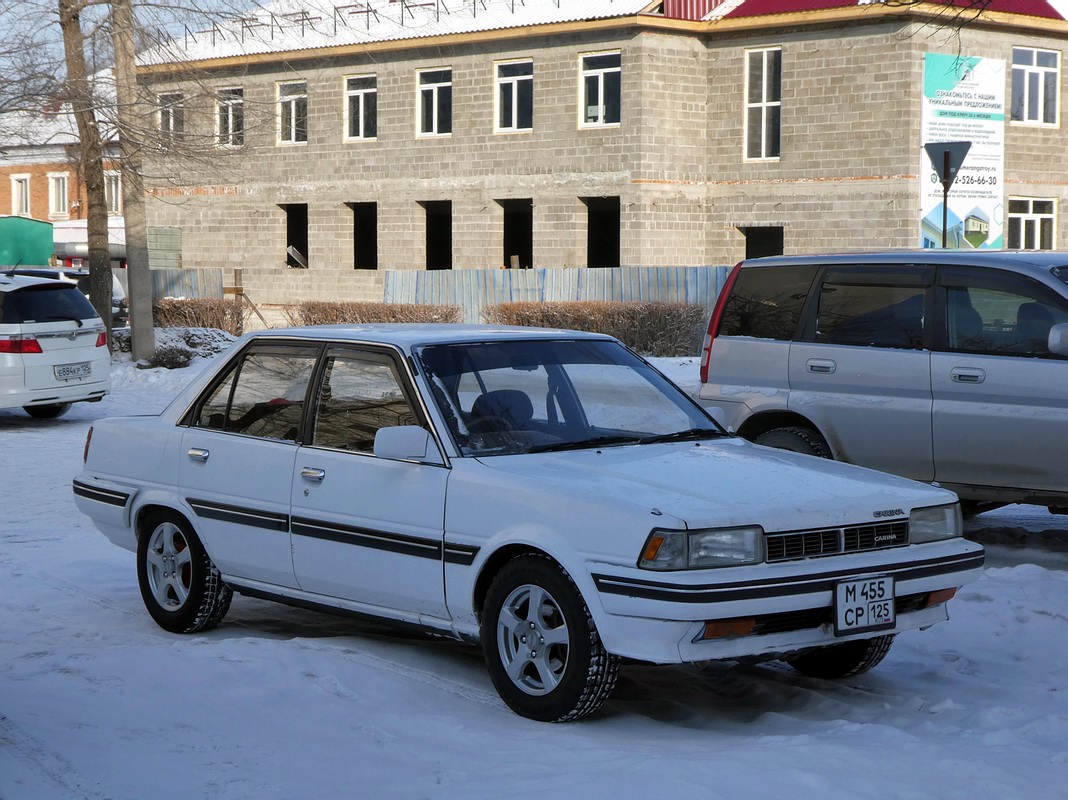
(409, 335)
(11, 283)
(1030, 262)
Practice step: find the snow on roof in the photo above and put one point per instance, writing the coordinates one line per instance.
(292, 25)
(734, 9)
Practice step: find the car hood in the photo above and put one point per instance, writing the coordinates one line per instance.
(722, 483)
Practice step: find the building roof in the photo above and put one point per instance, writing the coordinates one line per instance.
(734, 9)
(300, 25)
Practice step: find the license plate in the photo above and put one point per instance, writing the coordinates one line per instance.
(66, 372)
(864, 605)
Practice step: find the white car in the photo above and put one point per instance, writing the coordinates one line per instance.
(546, 493)
(53, 347)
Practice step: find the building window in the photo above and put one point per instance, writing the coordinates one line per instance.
(293, 112)
(1031, 223)
(763, 102)
(57, 196)
(362, 107)
(515, 96)
(601, 89)
(435, 102)
(20, 195)
(113, 191)
(1035, 85)
(171, 118)
(230, 117)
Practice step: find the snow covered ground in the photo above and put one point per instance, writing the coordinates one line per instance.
(96, 702)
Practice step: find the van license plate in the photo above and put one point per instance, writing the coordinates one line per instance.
(864, 605)
(66, 372)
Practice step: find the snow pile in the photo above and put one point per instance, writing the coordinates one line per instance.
(98, 703)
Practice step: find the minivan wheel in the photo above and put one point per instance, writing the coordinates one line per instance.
(542, 650)
(797, 440)
(50, 411)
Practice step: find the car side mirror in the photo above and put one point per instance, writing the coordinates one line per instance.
(1058, 339)
(406, 443)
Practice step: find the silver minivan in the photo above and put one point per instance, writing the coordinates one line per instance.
(942, 366)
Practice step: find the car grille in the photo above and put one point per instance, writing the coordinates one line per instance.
(836, 541)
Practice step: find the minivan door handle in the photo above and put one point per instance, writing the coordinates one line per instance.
(968, 375)
(823, 366)
(198, 454)
(312, 474)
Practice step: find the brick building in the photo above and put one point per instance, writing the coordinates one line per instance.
(319, 144)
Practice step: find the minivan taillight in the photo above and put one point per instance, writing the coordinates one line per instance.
(714, 320)
(19, 344)
(102, 339)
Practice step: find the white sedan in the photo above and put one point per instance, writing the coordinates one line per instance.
(546, 493)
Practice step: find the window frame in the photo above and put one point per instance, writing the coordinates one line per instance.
(58, 207)
(517, 100)
(1038, 73)
(763, 104)
(600, 73)
(362, 94)
(1037, 217)
(292, 106)
(230, 100)
(170, 117)
(21, 195)
(434, 93)
(113, 191)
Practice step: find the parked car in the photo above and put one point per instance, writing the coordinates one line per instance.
(546, 493)
(53, 347)
(947, 367)
(120, 311)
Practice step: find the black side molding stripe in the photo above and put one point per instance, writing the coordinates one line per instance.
(366, 537)
(460, 554)
(723, 593)
(107, 496)
(239, 515)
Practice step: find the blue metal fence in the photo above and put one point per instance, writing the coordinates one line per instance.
(475, 289)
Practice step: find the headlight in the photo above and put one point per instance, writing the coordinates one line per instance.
(723, 547)
(935, 523)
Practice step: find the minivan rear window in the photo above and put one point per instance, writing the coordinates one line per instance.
(45, 303)
(766, 302)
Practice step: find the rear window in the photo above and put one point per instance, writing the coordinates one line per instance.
(766, 302)
(44, 303)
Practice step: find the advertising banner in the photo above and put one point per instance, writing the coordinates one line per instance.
(964, 101)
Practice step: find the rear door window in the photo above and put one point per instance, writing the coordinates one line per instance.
(766, 302)
(871, 316)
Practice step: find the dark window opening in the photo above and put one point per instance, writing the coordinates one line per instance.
(296, 235)
(760, 242)
(518, 233)
(364, 235)
(602, 231)
(438, 234)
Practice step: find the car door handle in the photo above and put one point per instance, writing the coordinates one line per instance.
(823, 366)
(198, 454)
(963, 375)
(312, 474)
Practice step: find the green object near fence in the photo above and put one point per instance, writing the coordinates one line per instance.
(25, 242)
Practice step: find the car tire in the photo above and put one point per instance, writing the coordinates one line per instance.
(797, 440)
(842, 660)
(50, 411)
(181, 588)
(548, 663)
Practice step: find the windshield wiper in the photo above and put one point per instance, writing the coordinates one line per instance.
(582, 444)
(65, 318)
(690, 435)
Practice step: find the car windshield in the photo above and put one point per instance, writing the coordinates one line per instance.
(528, 396)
